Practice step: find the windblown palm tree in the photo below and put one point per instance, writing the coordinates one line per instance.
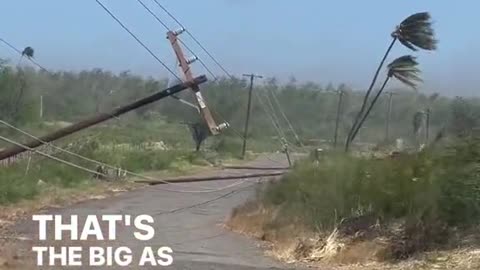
(414, 32)
(403, 69)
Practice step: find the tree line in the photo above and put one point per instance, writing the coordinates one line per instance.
(310, 107)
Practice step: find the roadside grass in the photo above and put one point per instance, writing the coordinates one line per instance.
(17, 182)
(416, 201)
(123, 144)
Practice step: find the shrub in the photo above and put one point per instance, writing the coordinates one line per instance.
(431, 187)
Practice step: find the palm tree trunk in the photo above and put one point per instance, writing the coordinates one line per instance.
(367, 95)
(369, 109)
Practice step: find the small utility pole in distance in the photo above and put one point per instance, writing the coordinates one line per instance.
(427, 125)
(249, 105)
(389, 112)
(41, 107)
(340, 93)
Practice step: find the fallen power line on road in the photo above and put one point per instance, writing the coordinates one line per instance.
(210, 178)
(254, 168)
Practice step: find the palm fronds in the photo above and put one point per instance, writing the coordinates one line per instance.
(405, 70)
(416, 32)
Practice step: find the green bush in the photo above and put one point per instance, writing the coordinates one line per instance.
(16, 184)
(230, 146)
(435, 186)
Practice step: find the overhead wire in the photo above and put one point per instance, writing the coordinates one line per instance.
(176, 210)
(236, 132)
(194, 39)
(181, 41)
(10, 45)
(270, 111)
(50, 156)
(216, 113)
(277, 102)
(137, 39)
(206, 190)
(91, 160)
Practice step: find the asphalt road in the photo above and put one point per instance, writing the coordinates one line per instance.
(187, 219)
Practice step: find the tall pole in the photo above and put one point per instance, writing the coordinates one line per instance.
(389, 112)
(337, 120)
(249, 105)
(187, 72)
(41, 107)
(427, 125)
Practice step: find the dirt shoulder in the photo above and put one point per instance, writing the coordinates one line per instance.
(294, 244)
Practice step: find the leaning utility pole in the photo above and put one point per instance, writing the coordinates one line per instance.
(184, 63)
(100, 118)
(247, 120)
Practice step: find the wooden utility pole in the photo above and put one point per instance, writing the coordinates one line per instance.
(337, 119)
(41, 107)
(187, 73)
(427, 125)
(249, 105)
(389, 112)
(100, 118)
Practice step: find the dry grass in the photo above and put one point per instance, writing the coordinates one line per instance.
(293, 243)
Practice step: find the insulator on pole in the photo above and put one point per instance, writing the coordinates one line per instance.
(192, 60)
(223, 126)
(179, 31)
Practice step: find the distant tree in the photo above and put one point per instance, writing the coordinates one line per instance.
(463, 119)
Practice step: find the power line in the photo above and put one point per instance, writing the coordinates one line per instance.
(236, 132)
(20, 52)
(194, 39)
(183, 43)
(208, 201)
(275, 99)
(50, 156)
(137, 39)
(206, 190)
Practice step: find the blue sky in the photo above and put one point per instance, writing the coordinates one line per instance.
(313, 40)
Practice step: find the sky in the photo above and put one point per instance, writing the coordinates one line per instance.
(313, 40)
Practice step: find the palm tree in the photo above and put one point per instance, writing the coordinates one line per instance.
(403, 69)
(414, 32)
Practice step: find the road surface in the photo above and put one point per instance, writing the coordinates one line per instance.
(188, 219)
